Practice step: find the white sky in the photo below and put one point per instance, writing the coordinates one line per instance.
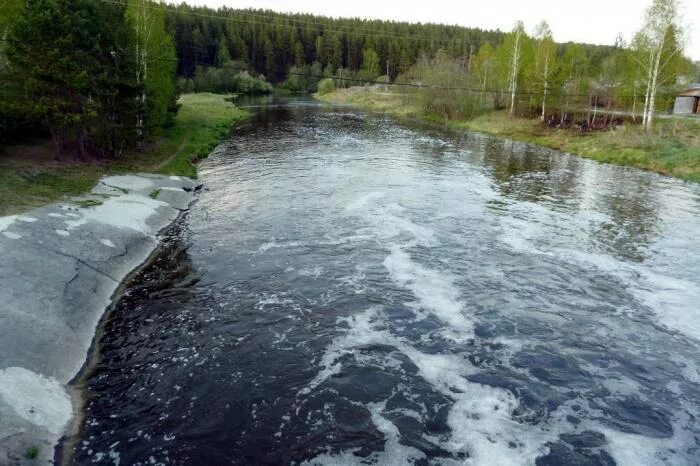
(591, 21)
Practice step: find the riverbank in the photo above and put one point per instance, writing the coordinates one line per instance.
(62, 264)
(29, 177)
(672, 149)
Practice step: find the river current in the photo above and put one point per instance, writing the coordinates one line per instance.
(349, 289)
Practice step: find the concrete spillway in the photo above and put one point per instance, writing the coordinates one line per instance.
(60, 266)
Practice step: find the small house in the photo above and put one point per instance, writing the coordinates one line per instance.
(688, 102)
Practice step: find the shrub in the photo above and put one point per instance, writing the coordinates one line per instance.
(326, 86)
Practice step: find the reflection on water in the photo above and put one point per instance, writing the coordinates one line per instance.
(350, 290)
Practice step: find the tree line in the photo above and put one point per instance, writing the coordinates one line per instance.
(98, 76)
(271, 43)
(562, 84)
(102, 75)
(527, 73)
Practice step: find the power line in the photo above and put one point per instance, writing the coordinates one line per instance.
(315, 26)
(415, 85)
(448, 88)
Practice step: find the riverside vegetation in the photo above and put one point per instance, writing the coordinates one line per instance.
(101, 79)
(531, 89)
(29, 177)
(671, 148)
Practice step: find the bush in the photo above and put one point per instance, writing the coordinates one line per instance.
(303, 79)
(326, 86)
(230, 78)
(441, 98)
(185, 85)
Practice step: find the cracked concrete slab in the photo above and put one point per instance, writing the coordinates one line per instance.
(59, 268)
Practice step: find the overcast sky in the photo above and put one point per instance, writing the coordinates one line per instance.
(591, 21)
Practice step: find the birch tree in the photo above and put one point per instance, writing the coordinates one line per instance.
(512, 53)
(657, 45)
(484, 67)
(545, 62)
(155, 64)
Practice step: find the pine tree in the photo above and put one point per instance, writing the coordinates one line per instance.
(73, 60)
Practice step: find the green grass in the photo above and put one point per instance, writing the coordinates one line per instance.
(672, 148)
(30, 178)
(32, 453)
(371, 99)
(85, 203)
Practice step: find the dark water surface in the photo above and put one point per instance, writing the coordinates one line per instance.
(351, 290)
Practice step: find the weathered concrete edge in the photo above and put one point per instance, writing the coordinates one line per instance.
(64, 448)
(61, 266)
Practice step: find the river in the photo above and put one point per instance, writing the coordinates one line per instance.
(350, 289)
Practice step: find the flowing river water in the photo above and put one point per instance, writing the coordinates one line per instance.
(353, 290)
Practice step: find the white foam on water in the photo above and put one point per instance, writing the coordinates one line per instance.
(356, 281)
(628, 449)
(434, 290)
(275, 245)
(481, 418)
(55, 215)
(393, 225)
(311, 272)
(27, 219)
(388, 219)
(10, 235)
(632, 450)
(675, 301)
(394, 454)
(360, 332)
(37, 399)
(521, 235)
(672, 299)
(62, 233)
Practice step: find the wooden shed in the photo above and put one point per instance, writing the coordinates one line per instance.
(688, 102)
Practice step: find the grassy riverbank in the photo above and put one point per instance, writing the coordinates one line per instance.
(672, 149)
(29, 177)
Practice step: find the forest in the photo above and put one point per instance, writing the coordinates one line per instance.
(454, 71)
(100, 75)
(97, 76)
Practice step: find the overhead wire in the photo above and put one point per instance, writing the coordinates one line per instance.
(316, 26)
(323, 28)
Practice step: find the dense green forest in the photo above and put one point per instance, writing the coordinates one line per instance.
(102, 75)
(454, 71)
(96, 75)
(272, 43)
